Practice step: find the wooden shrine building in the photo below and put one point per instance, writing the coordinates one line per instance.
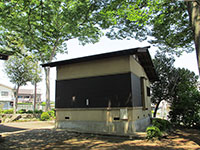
(105, 93)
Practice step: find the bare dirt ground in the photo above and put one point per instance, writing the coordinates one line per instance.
(42, 135)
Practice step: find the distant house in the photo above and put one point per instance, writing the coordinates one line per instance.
(27, 96)
(105, 93)
(6, 97)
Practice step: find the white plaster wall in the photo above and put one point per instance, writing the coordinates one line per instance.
(10, 96)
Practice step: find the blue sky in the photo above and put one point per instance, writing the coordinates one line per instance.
(105, 45)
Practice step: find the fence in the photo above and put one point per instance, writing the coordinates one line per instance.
(30, 107)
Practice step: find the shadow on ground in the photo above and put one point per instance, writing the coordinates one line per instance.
(4, 128)
(187, 135)
(61, 139)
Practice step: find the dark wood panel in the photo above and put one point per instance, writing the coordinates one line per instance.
(136, 90)
(102, 91)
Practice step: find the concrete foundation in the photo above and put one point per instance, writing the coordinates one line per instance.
(108, 125)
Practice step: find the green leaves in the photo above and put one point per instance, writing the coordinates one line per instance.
(177, 86)
(171, 28)
(185, 107)
(163, 89)
(45, 25)
(18, 70)
(22, 69)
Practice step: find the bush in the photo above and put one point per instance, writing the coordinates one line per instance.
(9, 111)
(43, 103)
(186, 110)
(52, 113)
(38, 111)
(153, 132)
(21, 111)
(45, 116)
(162, 124)
(29, 112)
(1, 111)
(24, 104)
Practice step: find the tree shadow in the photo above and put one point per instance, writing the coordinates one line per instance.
(62, 139)
(190, 134)
(4, 128)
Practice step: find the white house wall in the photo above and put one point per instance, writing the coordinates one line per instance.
(10, 96)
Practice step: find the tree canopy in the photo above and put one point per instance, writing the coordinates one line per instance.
(18, 71)
(44, 26)
(185, 107)
(171, 25)
(164, 88)
(177, 86)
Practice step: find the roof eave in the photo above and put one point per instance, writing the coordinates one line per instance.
(141, 52)
(98, 56)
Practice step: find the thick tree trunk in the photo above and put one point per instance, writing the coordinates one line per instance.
(196, 20)
(35, 97)
(156, 109)
(47, 74)
(194, 14)
(16, 100)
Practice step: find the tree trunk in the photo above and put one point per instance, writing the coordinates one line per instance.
(156, 109)
(16, 100)
(35, 97)
(47, 79)
(194, 14)
(196, 20)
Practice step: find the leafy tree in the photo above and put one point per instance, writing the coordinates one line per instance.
(36, 77)
(177, 86)
(163, 89)
(176, 26)
(185, 107)
(18, 70)
(172, 25)
(44, 26)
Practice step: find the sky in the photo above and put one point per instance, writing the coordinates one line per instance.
(104, 45)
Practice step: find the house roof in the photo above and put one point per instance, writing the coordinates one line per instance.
(6, 86)
(141, 52)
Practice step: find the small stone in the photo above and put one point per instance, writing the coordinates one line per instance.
(15, 117)
(7, 120)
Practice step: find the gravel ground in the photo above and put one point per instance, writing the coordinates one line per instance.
(42, 135)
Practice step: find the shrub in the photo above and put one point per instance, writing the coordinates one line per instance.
(1, 111)
(29, 112)
(43, 103)
(38, 111)
(24, 104)
(185, 110)
(45, 116)
(22, 111)
(162, 124)
(9, 111)
(153, 132)
(52, 113)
